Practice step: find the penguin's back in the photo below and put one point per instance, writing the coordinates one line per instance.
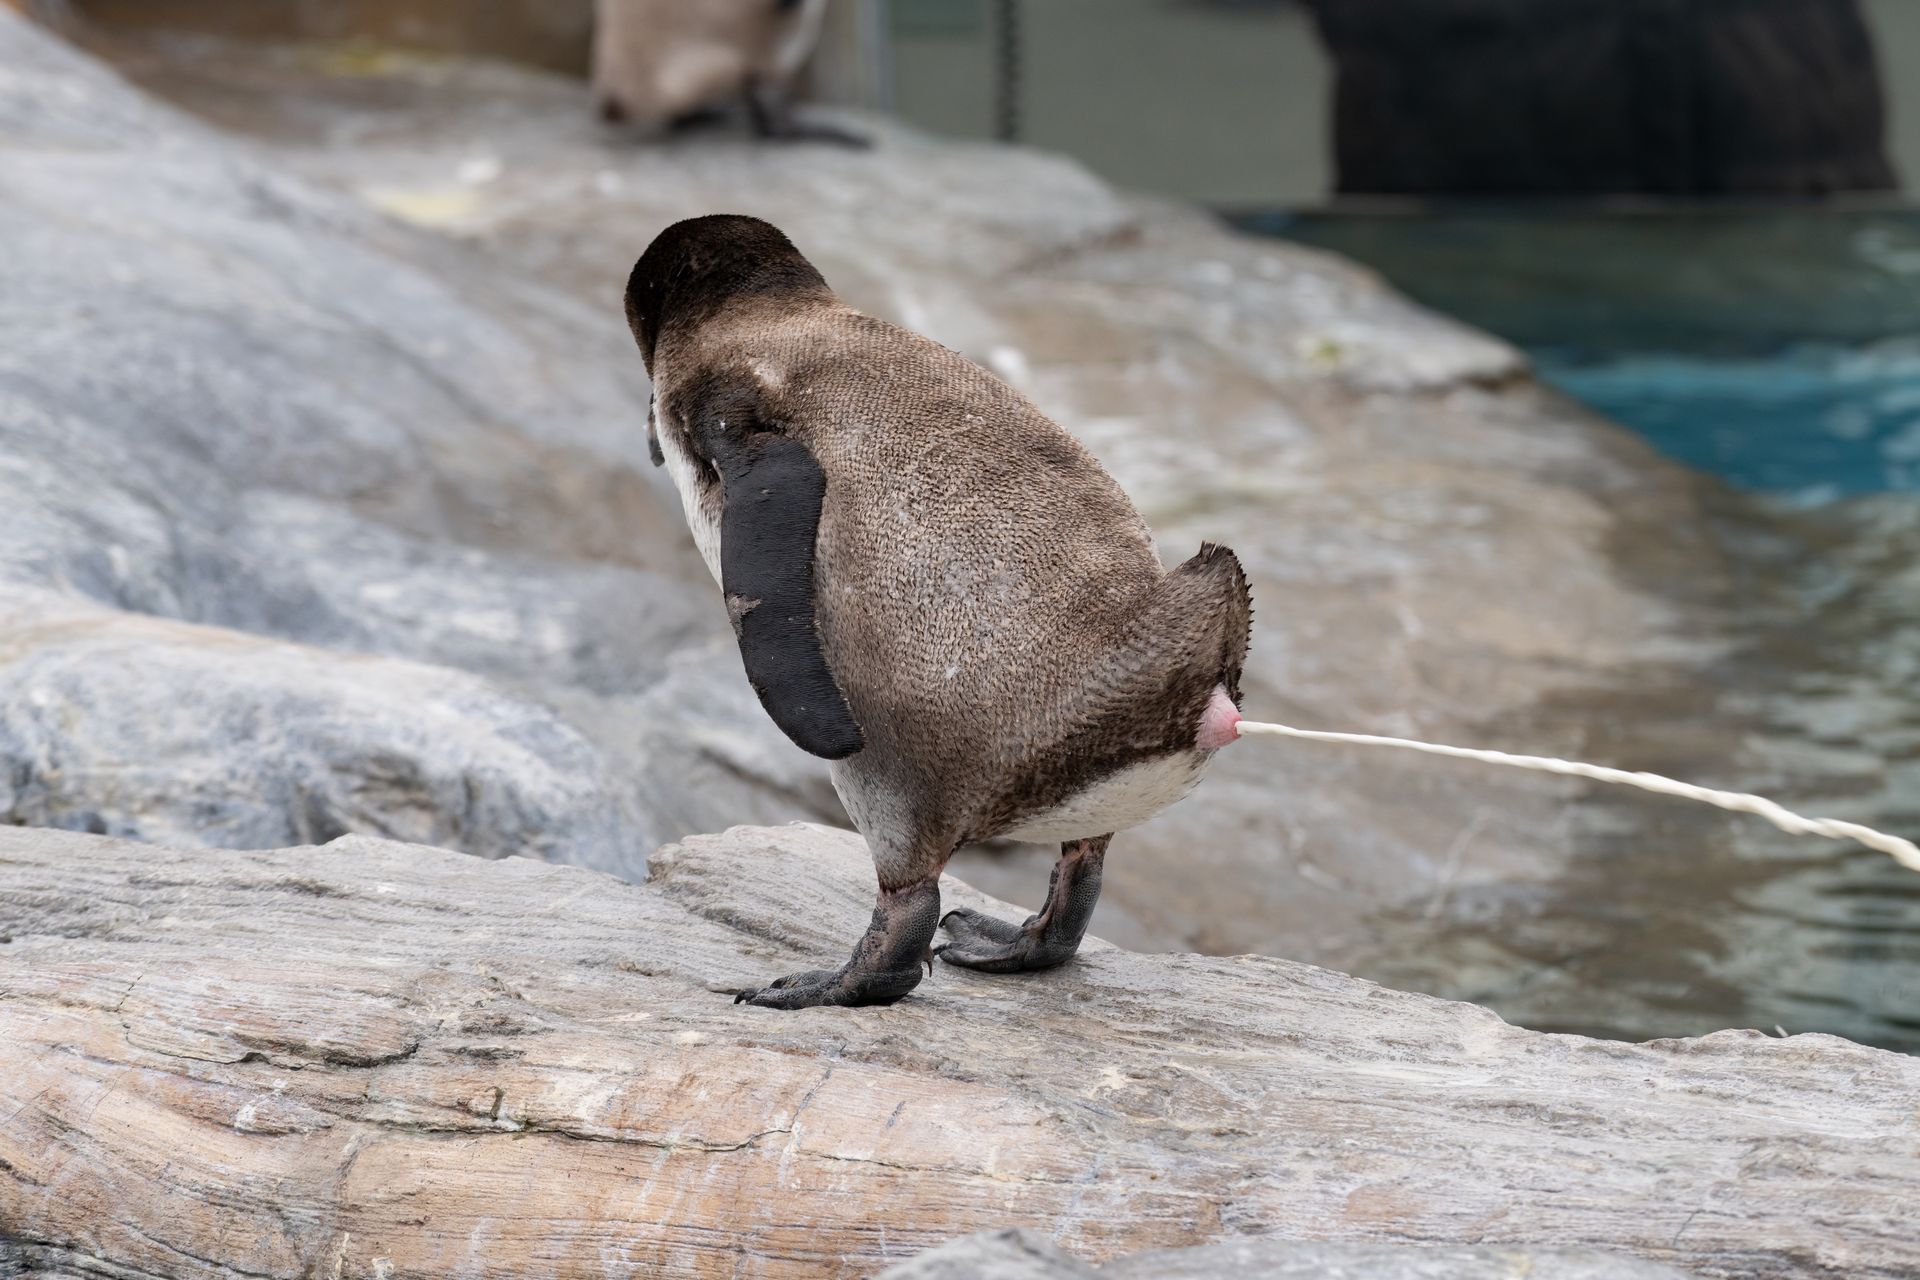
(991, 602)
(963, 532)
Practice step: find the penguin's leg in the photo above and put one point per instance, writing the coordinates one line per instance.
(770, 108)
(886, 963)
(1046, 940)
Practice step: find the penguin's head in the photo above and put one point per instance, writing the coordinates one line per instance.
(695, 268)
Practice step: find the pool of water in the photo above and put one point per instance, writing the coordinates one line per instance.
(1812, 420)
(1780, 350)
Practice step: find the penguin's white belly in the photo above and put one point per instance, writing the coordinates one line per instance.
(701, 505)
(1118, 801)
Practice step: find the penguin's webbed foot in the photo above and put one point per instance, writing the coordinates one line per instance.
(771, 112)
(993, 945)
(887, 963)
(815, 131)
(816, 987)
(795, 991)
(1045, 941)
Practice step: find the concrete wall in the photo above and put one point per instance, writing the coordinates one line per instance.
(1896, 30)
(1207, 101)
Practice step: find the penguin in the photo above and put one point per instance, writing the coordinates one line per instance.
(666, 64)
(934, 587)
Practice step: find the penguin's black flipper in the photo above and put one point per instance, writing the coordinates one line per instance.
(774, 490)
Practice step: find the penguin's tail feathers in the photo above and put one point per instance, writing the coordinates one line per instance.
(1209, 593)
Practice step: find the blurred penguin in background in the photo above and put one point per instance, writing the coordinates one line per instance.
(661, 65)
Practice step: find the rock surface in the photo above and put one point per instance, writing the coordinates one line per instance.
(373, 1059)
(1015, 1254)
(313, 523)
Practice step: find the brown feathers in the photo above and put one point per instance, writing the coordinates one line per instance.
(987, 599)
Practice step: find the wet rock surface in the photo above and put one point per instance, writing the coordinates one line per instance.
(448, 470)
(374, 1059)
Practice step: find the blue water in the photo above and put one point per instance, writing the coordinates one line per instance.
(1777, 348)
(1814, 421)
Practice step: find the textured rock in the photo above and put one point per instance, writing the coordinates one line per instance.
(549, 33)
(379, 1059)
(132, 725)
(1011, 1254)
(241, 411)
(1015, 1254)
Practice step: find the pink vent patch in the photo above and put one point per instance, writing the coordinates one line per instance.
(1219, 723)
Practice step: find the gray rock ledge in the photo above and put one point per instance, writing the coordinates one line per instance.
(1017, 1254)
(370, 1058)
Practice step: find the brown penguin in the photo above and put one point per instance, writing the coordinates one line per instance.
(935, 587)
(662, 63)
